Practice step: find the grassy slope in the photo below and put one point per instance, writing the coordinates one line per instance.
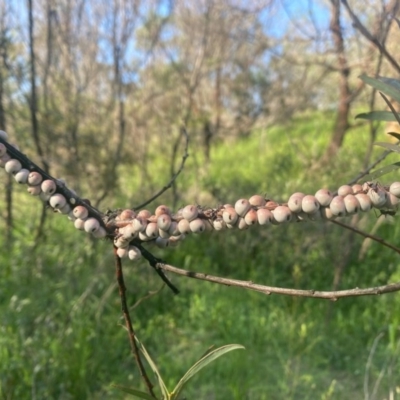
(60, 334)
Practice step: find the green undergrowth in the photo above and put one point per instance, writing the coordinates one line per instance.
(61, 332)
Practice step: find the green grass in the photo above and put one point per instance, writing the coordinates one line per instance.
(61, 334)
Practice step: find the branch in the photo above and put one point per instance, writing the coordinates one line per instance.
(174, 177)
(365, 32)
(128, 323)
(367, 235)
(329, 295)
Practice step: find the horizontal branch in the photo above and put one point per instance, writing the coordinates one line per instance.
(329, 295)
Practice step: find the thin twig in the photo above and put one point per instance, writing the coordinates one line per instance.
(367, 235)
(174, 177)
(373, 39)
(150, 294)
(155, 263)
(128, 323)
(329, 295)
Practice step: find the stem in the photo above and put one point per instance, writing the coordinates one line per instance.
(128, 323)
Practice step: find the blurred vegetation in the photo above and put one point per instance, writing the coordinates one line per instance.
(61, 334)
(266, 90)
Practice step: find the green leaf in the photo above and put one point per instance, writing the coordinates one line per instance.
(390, 81)
(153, 366)
(136, 393)
(382, 86)
(377, 116)
(210, 357)
(389, 146)
(394, 134)
(381, 171)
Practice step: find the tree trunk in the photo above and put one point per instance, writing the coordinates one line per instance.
(341, 123)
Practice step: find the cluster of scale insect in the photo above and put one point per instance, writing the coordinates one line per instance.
(46, 190)
(164, 229)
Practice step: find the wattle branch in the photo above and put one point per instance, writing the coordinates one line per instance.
(132, 231)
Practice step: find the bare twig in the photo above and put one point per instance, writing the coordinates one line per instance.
(128, 323)
(373, 39)
(329, 295)
(371, 167)
(155, 263)
(367, 235)
(174, 177)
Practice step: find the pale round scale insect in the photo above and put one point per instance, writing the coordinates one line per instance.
(3, 149)
(139, 223)
(395, 189)
(326, 213)
(164, 222)
(34, 178)
(229, 215)
(100, 233)
(134, 253)
(151, 230)
(378, 197)
(282, 214)
(219, 224)
(12, 166)
(242, 206)
(197, 225)
(127, 214)
(337, 206)
(352, 204)
(162, 210)
(121, 242)
(309, 204)
(4, 159)
(163, 234)
(257, 201)
(251, 217)
(357, 188)
(57, 201)
(48, 186)
(392, 201)
(264, 216)
(344, 190)
(128, 232)
(21, 176)
(63, 210)
(34, 190)
(3, 135)
(145, 214)
(294, 202)
(91, 225)
(364, 201)
(162, 242)
(81, 212)
(122, 252)
(241, 224)
(324, 197)
(79, 224)
(190, 212)
(142, 236)
(173, 229)
(184, 226)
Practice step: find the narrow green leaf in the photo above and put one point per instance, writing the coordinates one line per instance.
(382, 87)
(394, 134)
(134, 392)
(210, 357)
(153, 366)
(381, 171)
(389, 146)
(390, 81)
(377, 116)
